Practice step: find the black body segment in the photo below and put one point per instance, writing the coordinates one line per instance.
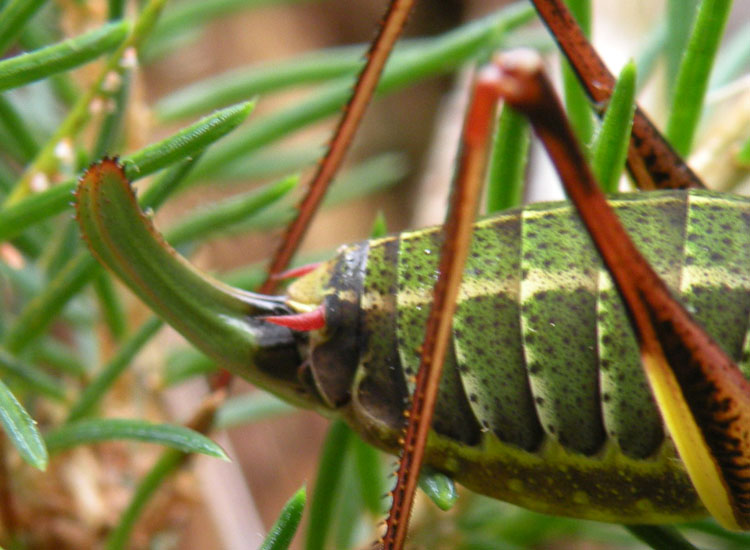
(340, 347)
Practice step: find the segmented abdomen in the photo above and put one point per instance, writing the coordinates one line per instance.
(541, 343)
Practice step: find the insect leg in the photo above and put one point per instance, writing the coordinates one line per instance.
(453, 253)
(651, 160)
(703, 397)
(367, 81)
(390, 30)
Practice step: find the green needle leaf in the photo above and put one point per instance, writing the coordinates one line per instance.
(109, 429)
(18, 129)
(247, 82)
(576, 101)
(281, 534)
(510, 152)
(30, 377)
(41, 311)
(167, 183)
(379, 226)
(611, 143)
(26, 68)
(326, 484)
(188, 13)
(270, 163)
(185, 363)
(104, 380)
(13, 18)
(21, 429)
(189, 141)
(34, 208)
(695, 69)
(47, 164)
(116, 9)
(192, 139)
(435, 56)
(75, 273)
(181, 19)
(35, 37)
(251, 407)
(679, 18)
(370, 475)
(743, 155)
(111, 305)
(220, 215)
(661, 537)
(167, 464)
(59, 357)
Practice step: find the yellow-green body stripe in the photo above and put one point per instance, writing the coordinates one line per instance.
(544, 402)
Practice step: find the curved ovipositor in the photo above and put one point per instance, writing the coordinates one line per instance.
(220, 320)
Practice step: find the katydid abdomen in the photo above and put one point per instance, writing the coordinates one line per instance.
(543, 401)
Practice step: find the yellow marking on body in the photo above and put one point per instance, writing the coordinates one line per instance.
(309, 289)
(702, 468)
(645, 504)
(300, 307)
(381, 241)
(471, 287)
(581, 497)
(516, 485)
(710, 276)
(538, 280)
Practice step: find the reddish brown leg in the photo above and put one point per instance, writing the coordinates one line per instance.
(457, 237)
(695, 382)
(651, 160)
(367, 81)
(390, 30)
(703, 397)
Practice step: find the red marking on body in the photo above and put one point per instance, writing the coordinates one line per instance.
(296, 272)
(220, 380)
(312, 320)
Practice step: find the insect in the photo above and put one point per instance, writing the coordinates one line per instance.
(363, 288)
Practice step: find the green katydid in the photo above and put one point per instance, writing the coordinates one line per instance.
(358, 322)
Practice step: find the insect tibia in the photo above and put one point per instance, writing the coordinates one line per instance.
(701, 393)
